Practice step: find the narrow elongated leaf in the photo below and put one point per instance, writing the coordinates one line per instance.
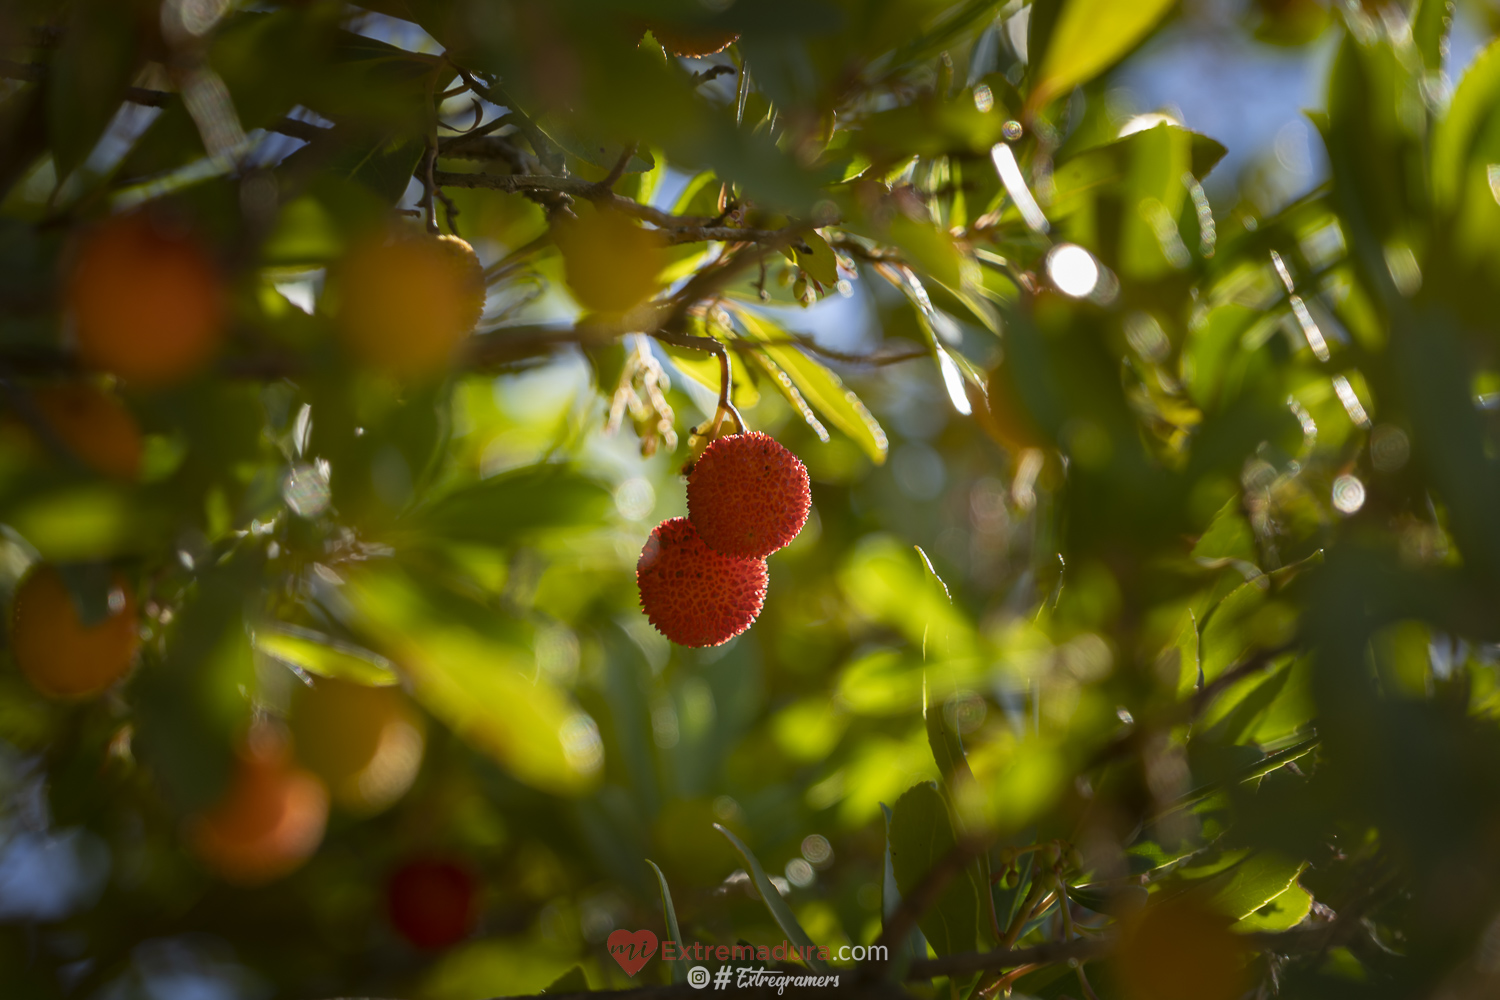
(1474, 100)
(484, 690)
(324, 655)
(674, 933)
(572, 981)
(501, 510)
(820, 387)
(958, 782)
(921, 834)
(1089, 37)
(780, 912)
(915, 945)
(1430, 24)
(90, 74)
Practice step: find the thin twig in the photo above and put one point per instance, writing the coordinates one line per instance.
(713, 73)
(813, 347)
(575, 186)
(1009, 958)
(612, 178)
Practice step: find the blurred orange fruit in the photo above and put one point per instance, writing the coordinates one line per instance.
(269, 820)
(148, 305)
(685, 40)
(1179, 950)
(94, 425)
(364, 742)
(60, 655)
(612, 264)
(406, 302)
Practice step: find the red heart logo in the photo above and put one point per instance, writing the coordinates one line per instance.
(632, 949)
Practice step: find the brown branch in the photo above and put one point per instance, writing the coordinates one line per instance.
(573, 186)
(489, 148)
(606, 186)
(1079, 949)
(725, 234)
(813, 347)
(713, 73)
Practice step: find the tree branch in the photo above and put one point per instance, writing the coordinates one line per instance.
(574, 186)
(1080, 949)
(618, 170)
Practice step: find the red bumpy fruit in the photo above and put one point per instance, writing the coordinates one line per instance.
(748, 496)
(692, 594)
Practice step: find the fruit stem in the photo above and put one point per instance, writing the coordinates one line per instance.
(715, 347)
(726, 385)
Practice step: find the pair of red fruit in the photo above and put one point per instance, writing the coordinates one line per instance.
(703, 577)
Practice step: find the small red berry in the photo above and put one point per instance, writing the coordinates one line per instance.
(748, 496)
(431, 902)
(692, 594)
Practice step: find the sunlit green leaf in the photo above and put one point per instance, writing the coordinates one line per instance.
(1089, 37)
(325, 656)
(769, 894)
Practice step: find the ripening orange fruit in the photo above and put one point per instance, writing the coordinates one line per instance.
(364, 742)
(1179, 950)
(148, 305)
(268, 821)
(94, 425)
(612, 264)
(60, 655)
(406, 302)
(691, 40)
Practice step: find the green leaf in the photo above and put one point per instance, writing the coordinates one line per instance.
(1228, 537)
(915, 945)
(885, 582)
(88, 78)
(1431, 21)
(1281, 913)
(572, 981)
(1454, 135)
(947, 746)
(780, 912)
(819, 386)
(1250, 884)
(486, 691)
(1089, 37)
(87, 522)
(674, 933)
(325, 656)
(190, 704)
(821, 264)
(1111, 899)
(1257, 767)
(958, 782)
(509, 507)
(921, 834)
(591, 149)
